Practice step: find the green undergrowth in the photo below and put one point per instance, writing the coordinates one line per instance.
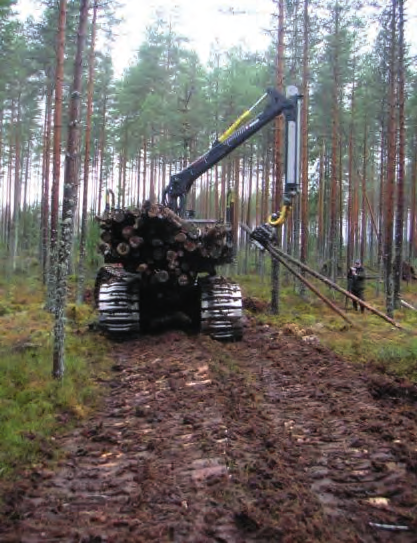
(34, 407)
(370, 341)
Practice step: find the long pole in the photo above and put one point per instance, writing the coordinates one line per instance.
(277, 253)
(315, 290)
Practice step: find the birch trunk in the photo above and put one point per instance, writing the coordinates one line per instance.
(56, 153)
(70, 198)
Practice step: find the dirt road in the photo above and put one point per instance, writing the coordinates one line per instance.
(266, 440)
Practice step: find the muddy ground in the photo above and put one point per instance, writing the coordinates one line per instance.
(271, 439)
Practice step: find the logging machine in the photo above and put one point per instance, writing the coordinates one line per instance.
(160, 263)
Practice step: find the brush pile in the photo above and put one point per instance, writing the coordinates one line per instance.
(161, 246)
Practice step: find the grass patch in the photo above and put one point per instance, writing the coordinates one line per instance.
(34, 407)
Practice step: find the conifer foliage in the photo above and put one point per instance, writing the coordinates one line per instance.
(70, 131)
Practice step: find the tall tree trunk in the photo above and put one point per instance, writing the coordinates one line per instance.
(123, 170)
(304, 143)
(340, 204)
(70, 197)
(412, 252)
(335, 151)
(250, 188)
(237, 196)
(25, 234)
(321, 197)
(102, 146)
(46, 175)
(145, 163)
(279, 126)
(258, 199)
(248, 218)
(382, 190)
(355, 215)
(152, 194)
(8, 211)
(138, 177)
(364, 206)
(399, 216)
(17, 186)
(84, 217)
(223, 192)
(56, 153)
(391, 166)
(217, 213)
(351, 230)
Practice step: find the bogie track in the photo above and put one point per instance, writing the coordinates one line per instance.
(118, 299)
(221, 309)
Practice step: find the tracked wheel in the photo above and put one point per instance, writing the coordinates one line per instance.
(117, 300)
(221, 309)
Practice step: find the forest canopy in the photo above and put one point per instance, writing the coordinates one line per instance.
(352, 61)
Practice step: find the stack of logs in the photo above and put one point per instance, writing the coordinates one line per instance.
(161, 246)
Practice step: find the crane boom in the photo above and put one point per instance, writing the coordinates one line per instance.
(175, 193)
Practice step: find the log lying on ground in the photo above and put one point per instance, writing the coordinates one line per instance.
(315, 290)
(275, 252)
(407, 305)
(160, 246)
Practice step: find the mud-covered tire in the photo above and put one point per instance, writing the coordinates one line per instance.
(221, 309)
(117, 300)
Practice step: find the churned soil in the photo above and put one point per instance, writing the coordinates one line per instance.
(271, 439)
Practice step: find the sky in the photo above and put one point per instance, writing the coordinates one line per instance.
(203, 22)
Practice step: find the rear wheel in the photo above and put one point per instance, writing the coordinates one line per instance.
(117, 300)
(221, 308)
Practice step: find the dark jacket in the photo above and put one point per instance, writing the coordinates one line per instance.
(356, 278)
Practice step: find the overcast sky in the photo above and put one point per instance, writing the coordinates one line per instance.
(230, 22)
(202, 22)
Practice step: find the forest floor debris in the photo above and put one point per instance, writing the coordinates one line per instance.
(269, 439)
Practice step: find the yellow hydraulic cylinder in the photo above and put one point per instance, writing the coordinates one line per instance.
(243, 118)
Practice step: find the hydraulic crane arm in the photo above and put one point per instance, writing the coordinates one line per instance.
(180, 183)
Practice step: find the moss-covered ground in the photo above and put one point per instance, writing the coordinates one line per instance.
(34, 406)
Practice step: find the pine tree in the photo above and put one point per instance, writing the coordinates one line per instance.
(278, 160)
(90, 89)
(391, 168)
(399, 215)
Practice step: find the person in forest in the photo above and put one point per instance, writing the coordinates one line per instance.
(356, 283)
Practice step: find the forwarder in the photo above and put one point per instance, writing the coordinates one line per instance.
(160, 265)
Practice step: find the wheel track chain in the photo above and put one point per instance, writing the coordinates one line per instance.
(221, 309)
(117, 298)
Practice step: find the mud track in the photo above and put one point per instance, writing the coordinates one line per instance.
(266, 440)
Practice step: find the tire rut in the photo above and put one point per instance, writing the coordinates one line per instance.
(338, 445)
(265, 440)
